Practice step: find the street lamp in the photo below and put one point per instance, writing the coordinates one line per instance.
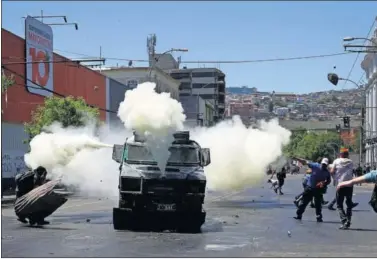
(357, 38)
(369, 49)
(166, 52)
(334, 79)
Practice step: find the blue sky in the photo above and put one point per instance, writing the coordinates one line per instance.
(215, 31)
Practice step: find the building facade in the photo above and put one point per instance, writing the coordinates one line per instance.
(208, 83)
(132, 76)
(69, 79)
(198, 111)
(369, 65)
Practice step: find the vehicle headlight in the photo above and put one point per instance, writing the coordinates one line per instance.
(130, 184)
(197, 187)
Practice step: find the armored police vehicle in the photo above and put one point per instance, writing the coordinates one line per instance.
(149, 198)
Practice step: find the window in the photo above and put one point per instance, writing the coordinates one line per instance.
(203, 85)
(185, 86)
(207, 96)
(180, 75)
(203, 74)
(177, 154)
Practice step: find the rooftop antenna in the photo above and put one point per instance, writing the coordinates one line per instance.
(151, 44)
(179, 60)
(100, 57)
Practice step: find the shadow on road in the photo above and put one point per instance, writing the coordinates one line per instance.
(363, 229)
(254, 204)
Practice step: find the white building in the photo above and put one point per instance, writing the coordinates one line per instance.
(132, 76)
(282, 111)
(369, 65)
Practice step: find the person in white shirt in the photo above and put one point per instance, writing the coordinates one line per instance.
(342, 170)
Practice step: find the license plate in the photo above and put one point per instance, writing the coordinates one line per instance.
(166, 207)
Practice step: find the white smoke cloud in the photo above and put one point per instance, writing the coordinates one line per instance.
(240, 155)
(144, 110)
(59, 146)
(79, 156)
(156, 115)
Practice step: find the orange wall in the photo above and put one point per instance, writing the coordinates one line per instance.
(69, 79)
(20, 101)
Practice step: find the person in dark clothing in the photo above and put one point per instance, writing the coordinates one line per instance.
(358, 171)
(281, 175)
(305, 181)
(27, 181)
(319, 179)
(269, 171)
(24, 184)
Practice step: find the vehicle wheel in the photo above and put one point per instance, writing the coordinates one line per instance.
(190, 229)
(122, 218)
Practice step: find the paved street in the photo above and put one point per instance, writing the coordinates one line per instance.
(250, 223)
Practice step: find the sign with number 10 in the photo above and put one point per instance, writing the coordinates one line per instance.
(39, 57)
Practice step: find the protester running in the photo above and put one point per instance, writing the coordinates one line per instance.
(342, 169)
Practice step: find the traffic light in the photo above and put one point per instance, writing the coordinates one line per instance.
(346, 121)
(337, 127)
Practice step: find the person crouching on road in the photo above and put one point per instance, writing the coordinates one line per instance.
(317, 182)
(26, 182)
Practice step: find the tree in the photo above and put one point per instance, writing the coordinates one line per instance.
(296, 137)
(68, 111)
(311, 145)
(6, 82)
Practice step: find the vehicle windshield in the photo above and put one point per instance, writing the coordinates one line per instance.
(181, 154)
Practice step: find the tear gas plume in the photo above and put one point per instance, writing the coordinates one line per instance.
(145, 110)
(155, 115)
(240, 155)
(59, 146)
(79, 156)
(279, 163)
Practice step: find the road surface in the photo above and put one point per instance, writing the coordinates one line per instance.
(251, 223)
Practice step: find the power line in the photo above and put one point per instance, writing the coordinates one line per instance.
(45, 89)
(220, 61)
(361, 78)
(358, 54)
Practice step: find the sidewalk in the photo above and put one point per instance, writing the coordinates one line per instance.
(8, 199)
